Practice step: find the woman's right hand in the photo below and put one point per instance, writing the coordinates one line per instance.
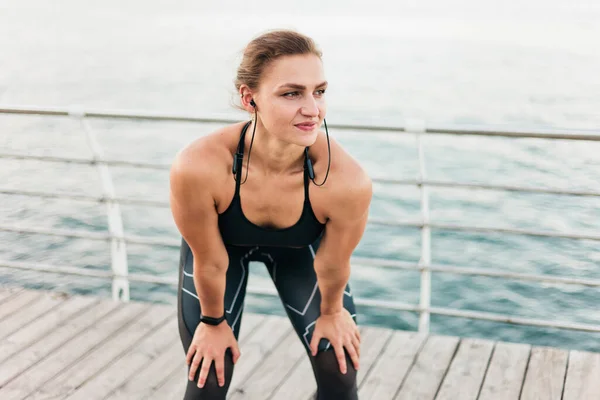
(209, 343)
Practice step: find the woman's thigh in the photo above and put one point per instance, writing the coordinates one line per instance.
(294, 276)
(189, 311)
(292, 271)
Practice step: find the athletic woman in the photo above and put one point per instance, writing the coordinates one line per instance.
(279, 190)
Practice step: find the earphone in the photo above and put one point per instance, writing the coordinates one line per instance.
(237, 158)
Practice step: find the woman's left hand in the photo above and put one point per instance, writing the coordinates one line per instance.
(341, 330)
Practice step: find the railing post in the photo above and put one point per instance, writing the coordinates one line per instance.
(120, 269)
(418, 127)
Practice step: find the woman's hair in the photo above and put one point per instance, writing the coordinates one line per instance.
(264, 49)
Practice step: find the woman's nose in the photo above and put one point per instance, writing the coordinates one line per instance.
(310, 107)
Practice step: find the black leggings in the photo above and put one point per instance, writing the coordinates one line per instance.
(294, 277)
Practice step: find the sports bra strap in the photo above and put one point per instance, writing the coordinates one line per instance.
(306, 181)
(239, 158)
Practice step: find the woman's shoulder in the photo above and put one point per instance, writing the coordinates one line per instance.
(345, 169)
(348, 188)
(209, 156)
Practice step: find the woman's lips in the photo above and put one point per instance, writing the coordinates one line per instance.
(306, 126)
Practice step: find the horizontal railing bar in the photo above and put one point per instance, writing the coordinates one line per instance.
(66, 270)
(478, 315)
(471, 228)
(84, 197)
(92, 235)
(525, 232)
(144, 278)
(68, 233)
(143, 115)
(388, 222)
(69, 270)
(175, 243)
(532, 134)
(407, 182)
(494, 273)
(376, 262)
(450, 312)
(39, 267)
(510, 188)
(85, 161)
(518, 276)
(505, 188)
(465, 130)
(514, 320)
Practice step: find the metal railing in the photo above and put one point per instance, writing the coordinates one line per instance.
(120, 275)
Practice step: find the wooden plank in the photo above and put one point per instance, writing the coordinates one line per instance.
(94, 363)
(273, 369)
(61, 334)
(81, 343)
(373, 343)
(301, 385)
(248, 326)
(506, 372)
(583, 376)
(7, 292)
(426, 375)
(33, 310)
(266, 336)
(545, 374)
(17, 302)
(467, 370)
(385, 377)
(44, 325)
(150, 376)
(174, 386)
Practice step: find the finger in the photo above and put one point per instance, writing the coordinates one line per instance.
(194, 366)
(204, 371)
(235, 350)
(357, 334)
(341, 357)
(219, 367)
(314, 343)
(353, 354)
(356, 345)
(190, 355)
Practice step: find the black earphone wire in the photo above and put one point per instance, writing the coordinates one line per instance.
(251, 142)
(305, 151)
(328, 156)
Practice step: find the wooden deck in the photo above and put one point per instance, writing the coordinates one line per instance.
(54, 346)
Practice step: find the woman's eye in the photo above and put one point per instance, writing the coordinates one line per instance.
(291, 94)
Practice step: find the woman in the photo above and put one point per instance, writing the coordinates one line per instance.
(231, 211)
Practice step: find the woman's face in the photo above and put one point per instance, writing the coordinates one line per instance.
(291, 98)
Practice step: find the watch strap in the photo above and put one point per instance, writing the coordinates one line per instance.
(211, 320)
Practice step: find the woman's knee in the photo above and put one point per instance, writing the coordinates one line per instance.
(211, 389)
(330, 379)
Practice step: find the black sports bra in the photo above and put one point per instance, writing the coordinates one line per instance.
(236, 229)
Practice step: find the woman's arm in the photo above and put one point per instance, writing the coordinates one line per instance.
(194, 212)
(345, 227)
(196, 217)
(346, 223)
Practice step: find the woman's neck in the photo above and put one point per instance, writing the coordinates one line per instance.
(272, 155)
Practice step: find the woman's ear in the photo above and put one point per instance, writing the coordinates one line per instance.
(246, 98)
